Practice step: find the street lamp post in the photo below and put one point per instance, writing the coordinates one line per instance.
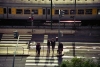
(61, 14)
(59, 28)
(74, 29)
(51, 14)
(75, 14)
(32, 15)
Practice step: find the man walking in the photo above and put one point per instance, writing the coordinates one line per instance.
(48, 46)
(38, 48)
(53, 44)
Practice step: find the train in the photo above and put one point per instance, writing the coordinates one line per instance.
(42, 12)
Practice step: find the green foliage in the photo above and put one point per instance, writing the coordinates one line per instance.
(80, 62)
(98, 62)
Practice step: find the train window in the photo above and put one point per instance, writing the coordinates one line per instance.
(35, 11)
(66, 11)
(43, 11)
(98, 11)
(19, 11)
(9, 10)
(48, 11)
(56, 11)
(88, 11)
(26, 11)
(72, 11)
(80, 11)
(4, 10)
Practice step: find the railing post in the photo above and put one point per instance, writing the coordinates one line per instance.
(15, 51)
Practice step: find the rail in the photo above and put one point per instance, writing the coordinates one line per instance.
(8, 50)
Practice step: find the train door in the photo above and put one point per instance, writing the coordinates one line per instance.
(48, 12)
(6, 12)
(9, 14)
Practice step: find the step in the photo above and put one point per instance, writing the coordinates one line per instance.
(26, 35)
(13, 35)
(13, 42)
(5, 45)
(19, 38)
(44, 58)
(39, 64)
(16, 39)
(41, 61)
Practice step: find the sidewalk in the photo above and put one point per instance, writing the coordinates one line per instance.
(36, 31)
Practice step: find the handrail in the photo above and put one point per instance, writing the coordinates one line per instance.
(14, 47)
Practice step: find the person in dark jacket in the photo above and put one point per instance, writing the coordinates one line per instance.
(53, 44)
(38, 48)
(60, 48)
(48, 46)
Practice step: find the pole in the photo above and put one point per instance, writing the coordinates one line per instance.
(74, 29)
(51, 14)
(59, 29)
(32, 26)
(75, 14)
(32, 20)
(15, 52)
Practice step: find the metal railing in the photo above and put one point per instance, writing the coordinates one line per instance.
(12, 49)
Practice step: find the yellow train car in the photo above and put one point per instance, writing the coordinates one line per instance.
(44, 13)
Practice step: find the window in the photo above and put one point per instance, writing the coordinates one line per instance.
(43, 11)
(80, 11)
(88, 11)
(72, 11)
(4, 10)
(98, 11)
(19, 11)
(26, 11)
(56, 11)
(35, 11)
(9, 10)
(66, 11)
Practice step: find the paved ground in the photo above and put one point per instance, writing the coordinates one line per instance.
(35, 31)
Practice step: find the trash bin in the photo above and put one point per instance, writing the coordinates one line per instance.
(16, 34)
(56, 38)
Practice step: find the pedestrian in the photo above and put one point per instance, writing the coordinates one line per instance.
(60, 49)
(53, 44)
(38, 48)
(48, 46)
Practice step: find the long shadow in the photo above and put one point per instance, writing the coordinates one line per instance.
(37, 58)
(60, 59)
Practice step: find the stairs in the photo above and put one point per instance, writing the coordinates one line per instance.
(8, 44)
(41, 62)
